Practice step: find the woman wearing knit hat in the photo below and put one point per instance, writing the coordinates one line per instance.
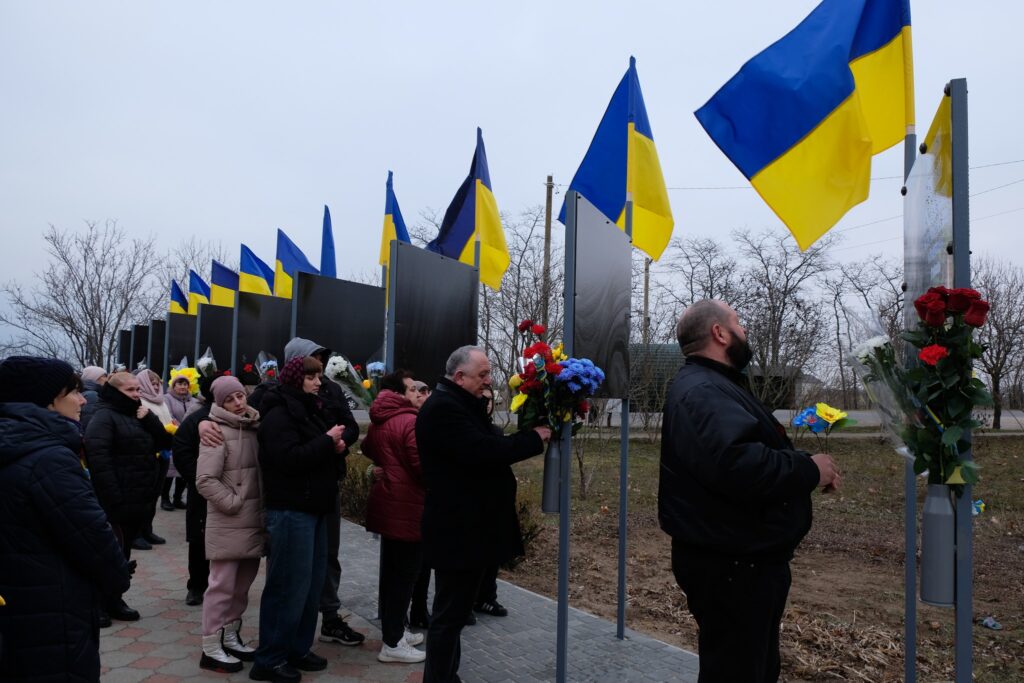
(228, 478)
(299, 457)
(121, 445)
(181, 403)
(59, 558)
(93, 377)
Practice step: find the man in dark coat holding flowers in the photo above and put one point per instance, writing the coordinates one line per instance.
(468, 524)
(735, 497)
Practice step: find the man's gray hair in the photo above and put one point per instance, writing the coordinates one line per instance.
(694, 327)
(459, 359)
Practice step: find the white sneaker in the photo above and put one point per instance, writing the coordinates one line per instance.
(403, 652)
(412, 639)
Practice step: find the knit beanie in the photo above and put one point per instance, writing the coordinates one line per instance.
(292, 373)
(91, 373)
(223, 387)
(33, 380)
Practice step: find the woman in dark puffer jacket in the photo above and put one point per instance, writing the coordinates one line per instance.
(59, 558)
(395, 510)
(121, 444)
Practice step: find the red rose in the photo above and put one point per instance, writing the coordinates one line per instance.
(584, 407)
(357, 367)
(930, 355)
(977, 313)
(530, 372)
(525, 325)
(271, 373)
(226, 373)
(537, 349)
(531, 386)
(921, 303)
(538, 329)
(940, 290)
(960, 299)
(552, 368)
(935, 314)
(247, 367)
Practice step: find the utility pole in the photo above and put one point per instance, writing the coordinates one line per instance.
(546, 291)
(647, 299)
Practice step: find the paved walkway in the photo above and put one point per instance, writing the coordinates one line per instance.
(164, 646)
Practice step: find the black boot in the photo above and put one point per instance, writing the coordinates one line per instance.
(166, 504)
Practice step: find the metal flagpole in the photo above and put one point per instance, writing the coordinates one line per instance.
(957, 90)
(562, 606)
(620, 612)
(910, 507)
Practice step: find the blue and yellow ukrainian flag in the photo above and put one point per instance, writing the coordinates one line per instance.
(328, 261)
(802, 119)
(622, 159)
(473, 216)
(254, 276)
(223, 285)
(198, 292)
(290, 261)
(394, 224)
(179, 302)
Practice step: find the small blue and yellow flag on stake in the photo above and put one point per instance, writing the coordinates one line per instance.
(223, 285)
(622, 159)
(394, 224)
(254, 276)
(290, 262)
(802, 119)
(179, 302)
(473, 217)
(328, 261)
(198, 292)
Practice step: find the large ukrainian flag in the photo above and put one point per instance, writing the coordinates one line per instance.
(179, 302)
(254, 276)
(802, 119)
(394, 224)
(622, 159)
(198, 292)
(290, 262)
(223, 285)
(473, 216)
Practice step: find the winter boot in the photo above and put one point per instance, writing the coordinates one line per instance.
(214, 658)
(233, 644)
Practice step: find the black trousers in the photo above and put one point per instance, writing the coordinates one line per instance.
(195, 534)
(454, 594)
(488, 591)
(738, 607)
(419, 591)
(399, 567)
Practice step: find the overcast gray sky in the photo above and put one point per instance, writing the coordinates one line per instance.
(228, 120)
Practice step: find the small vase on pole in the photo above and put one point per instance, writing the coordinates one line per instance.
(938, 547)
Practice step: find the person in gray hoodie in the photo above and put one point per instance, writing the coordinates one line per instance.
(336, 412)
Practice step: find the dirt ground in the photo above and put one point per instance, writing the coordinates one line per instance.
(845, 615)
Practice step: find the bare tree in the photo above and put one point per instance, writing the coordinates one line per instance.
(782, 313)
(96, 282)
(1003, 335)
(194, 254)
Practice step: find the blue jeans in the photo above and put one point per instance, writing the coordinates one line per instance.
(296, 564)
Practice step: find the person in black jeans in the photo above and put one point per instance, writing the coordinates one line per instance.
(469, 519)
(186, 454)
(735, 497)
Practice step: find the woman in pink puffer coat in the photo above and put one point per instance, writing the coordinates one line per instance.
(228, 477)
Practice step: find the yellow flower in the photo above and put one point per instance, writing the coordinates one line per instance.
(956, 477)
(170, 428)
(367, 384)
(517, 402)
(828, 413)
(558, 353)
(515, 381)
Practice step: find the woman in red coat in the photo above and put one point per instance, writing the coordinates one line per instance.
(395, 509)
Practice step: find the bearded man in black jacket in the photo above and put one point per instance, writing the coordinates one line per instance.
(469, 515)
(735, 496)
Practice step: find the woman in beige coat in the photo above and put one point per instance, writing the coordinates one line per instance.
(228, 477)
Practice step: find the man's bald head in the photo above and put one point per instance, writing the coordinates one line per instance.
(694, 327)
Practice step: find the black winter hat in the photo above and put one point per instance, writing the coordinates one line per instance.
(27, 379)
